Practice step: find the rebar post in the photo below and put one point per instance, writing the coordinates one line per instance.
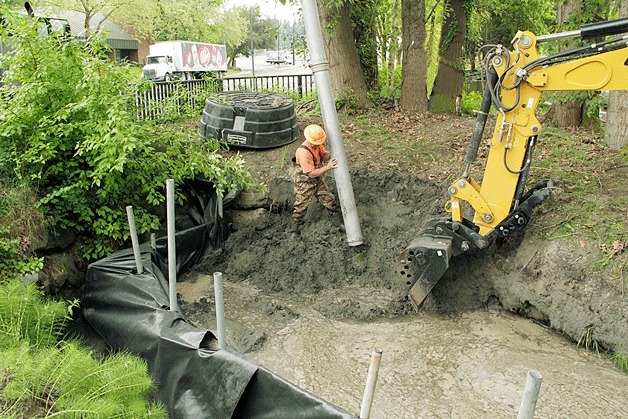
(371, 381)
(220, 310)
(134, 242)
(172, 247)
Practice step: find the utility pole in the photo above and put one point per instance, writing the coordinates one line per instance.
(252, 50)
(279, 53)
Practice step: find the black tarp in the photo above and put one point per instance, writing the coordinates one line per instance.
(130, 311)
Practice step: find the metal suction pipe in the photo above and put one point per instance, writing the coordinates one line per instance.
(320, 68)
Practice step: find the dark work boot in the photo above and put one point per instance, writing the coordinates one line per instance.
(296, 230)
(336, 220)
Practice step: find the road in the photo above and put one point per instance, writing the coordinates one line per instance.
(262, 68)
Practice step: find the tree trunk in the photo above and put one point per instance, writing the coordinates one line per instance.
(347, 81)
(450, 77)
(414, 65)
(568, 114)
(617, 112)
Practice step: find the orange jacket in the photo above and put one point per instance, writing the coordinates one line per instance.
(310, 158)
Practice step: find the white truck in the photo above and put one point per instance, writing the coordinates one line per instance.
(173, 60)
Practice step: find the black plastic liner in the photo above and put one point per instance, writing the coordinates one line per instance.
(130, 311)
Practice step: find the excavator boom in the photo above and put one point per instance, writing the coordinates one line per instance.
(514, 82)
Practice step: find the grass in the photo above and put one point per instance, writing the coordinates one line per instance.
(285, 157)
(618, 357)
(44, 377)
(587, 342)
(583, 208)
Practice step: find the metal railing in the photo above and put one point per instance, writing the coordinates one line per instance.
(162, 99)
(165, 99)
(302, 84)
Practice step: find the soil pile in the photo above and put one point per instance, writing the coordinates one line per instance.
(391, 209)
(546, 281)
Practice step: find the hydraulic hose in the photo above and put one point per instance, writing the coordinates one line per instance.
(480, 120)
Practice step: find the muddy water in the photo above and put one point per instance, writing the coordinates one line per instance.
(472, 364)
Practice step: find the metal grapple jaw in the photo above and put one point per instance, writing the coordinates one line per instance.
(425, 260)
(421, 265)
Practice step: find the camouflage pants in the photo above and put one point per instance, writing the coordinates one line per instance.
(305, 189)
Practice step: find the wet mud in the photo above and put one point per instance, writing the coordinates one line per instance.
(313, 308)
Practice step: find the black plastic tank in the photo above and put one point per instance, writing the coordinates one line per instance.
(250, 119)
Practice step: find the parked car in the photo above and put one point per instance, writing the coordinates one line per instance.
(275, 57)
(287, 57)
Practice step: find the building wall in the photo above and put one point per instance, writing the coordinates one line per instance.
(119, 55)
(142, 51)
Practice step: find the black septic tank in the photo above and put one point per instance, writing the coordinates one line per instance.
(250, 119)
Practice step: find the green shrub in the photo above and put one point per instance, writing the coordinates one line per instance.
(71, 129)
(387, 91)
(22, 228)
(470, 103)
(15, 262)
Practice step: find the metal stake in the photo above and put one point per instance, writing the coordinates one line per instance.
(220, 310)
(371, 380)
(530, 395)
(134, 242)
(172, 247)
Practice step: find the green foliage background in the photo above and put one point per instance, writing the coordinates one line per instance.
(69, 129)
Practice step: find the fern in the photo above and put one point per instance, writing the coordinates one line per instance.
(42, 377)
(24, 316)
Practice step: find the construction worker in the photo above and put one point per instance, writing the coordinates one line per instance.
(311, 162)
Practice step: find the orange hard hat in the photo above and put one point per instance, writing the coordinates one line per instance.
(315, 134)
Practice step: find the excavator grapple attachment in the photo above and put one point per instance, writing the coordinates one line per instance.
(501, 203)
(425, 260)
(422, 264)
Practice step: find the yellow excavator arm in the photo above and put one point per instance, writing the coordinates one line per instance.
(515, 81)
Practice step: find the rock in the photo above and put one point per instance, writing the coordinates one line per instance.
(59, 239)
(59, 270)
(250, 200)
